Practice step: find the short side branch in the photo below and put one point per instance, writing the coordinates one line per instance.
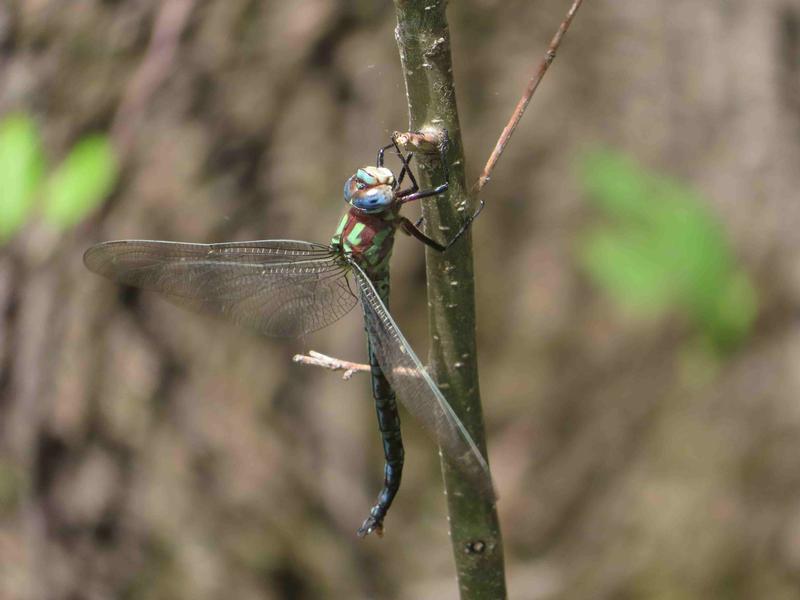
(549, 57)
(316, 359)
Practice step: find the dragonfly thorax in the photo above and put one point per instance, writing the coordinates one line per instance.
(370, 189)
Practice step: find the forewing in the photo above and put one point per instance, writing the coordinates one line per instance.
(281, 288)
(416, 389)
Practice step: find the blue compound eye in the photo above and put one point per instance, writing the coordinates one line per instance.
(347, 190)
(373, 200)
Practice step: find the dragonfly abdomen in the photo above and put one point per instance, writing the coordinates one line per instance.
(394, 454)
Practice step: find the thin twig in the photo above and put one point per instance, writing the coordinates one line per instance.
(549, 56)
(317, 359)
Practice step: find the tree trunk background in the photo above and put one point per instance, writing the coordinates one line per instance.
(150, 453)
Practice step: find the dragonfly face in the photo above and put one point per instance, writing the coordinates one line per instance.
(371, 189)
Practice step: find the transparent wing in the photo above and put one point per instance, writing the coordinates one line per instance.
(416, 389)
(281, 288)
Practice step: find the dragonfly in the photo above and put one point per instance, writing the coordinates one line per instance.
(289, 288)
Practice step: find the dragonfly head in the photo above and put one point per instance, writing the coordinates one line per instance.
(371, 189)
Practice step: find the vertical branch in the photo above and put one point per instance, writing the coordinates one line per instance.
(423, 40)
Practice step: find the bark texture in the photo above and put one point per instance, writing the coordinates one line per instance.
(423, 39)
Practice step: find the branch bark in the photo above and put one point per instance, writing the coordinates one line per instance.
(423, 40)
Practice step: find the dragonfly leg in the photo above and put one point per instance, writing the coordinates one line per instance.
(413, 230)
(404, 159)
(465, 225)
(414, 193)
(407, 196)
(406, 169)
(381, 151)
(389, 424)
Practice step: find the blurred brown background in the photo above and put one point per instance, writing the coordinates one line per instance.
(149, 453)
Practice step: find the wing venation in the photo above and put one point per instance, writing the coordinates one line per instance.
(282, 288)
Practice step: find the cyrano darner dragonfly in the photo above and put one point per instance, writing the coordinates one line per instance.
(289, 288)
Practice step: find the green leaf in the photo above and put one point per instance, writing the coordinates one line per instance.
(735, 312)
(615, 185)
(661, 250)
(21, 168)
(627, 268)
(81, 182)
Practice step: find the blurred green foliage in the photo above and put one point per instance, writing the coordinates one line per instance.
(67, 194)
(21, 170)
(78, 185)
(658, 249)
